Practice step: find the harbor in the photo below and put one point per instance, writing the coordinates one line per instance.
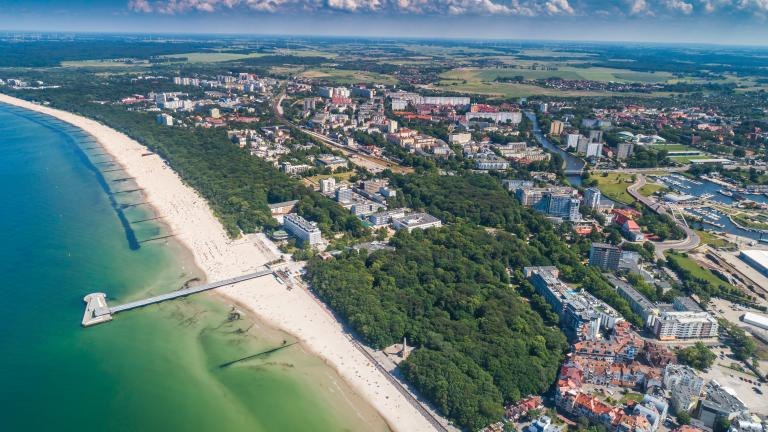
(708, 203)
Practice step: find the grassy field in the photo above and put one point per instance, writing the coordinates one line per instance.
(342, 76)
(102, 64)
(195, 57)
(697, 270)
(307, 53)
(614, 186)
(651, 188)
(673, 147)
(750, 222)
(568, 72)
(508, 90)
(714, 240)
(637, 397)
(688, 159)
(214, 57)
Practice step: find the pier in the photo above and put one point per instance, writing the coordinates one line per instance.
(97, 310)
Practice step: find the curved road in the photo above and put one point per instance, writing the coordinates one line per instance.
(691, 240)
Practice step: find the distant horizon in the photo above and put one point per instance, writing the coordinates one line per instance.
(716, 22)
(27, 32)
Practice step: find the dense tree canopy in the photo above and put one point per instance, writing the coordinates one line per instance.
(447, 291)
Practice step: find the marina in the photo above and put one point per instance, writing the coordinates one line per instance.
(708, 193)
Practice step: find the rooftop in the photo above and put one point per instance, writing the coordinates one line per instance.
(301, 222)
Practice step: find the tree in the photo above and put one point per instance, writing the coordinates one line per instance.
(697, 356)
(683, 418)
(722, 424)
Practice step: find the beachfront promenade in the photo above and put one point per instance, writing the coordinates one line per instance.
(97, 310)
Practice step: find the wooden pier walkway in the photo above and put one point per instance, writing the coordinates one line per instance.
(97, 310)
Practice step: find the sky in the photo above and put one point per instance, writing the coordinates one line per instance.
(671, 21)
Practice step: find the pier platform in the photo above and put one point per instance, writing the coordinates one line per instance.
(96, 309)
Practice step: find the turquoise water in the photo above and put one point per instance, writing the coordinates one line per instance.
(150, 369)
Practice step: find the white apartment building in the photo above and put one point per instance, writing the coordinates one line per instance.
(303, 229)
(673, 325)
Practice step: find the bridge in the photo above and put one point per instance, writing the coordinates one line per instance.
(97, 310)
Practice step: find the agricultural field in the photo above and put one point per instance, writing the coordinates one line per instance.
(214, 57)
(508, 90)
(104, 63)
(567, 72)
(343, 76)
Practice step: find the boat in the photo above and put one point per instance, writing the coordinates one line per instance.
(725, 192)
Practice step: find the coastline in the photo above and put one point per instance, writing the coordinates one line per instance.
(296, 312)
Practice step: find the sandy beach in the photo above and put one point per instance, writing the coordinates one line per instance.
(294, 311)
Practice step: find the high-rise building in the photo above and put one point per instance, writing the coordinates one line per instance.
(572, 141)
(595, 136)
(604, 256)
(592, 198)
(327, 185)
(582, 144)
(556, 127)
(562, 205)
(624, 150)
(594, 149)
(344, 195)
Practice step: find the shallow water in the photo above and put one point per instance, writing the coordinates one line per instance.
(152, 369)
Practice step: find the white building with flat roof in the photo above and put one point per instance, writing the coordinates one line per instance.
(756, 320)
(303, 229)
(757, 259)
(672, 325)
(416, 221)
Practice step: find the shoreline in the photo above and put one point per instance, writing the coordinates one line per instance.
(217, 256)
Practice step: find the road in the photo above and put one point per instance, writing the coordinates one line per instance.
(691, 240)
(682, 168)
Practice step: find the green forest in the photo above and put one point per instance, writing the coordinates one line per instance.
(448, 292)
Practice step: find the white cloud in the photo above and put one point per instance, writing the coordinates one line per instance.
(354, 5)
(559, 7)
(638, 7)
(139, 6)
(679, 6)
(756, 6)
(441, 7)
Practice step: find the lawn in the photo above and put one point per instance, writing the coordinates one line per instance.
(651, 188)
(673, 147)
(614, 186)
(637, 397)
(697, 270)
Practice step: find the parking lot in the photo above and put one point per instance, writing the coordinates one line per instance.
(744, 384)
